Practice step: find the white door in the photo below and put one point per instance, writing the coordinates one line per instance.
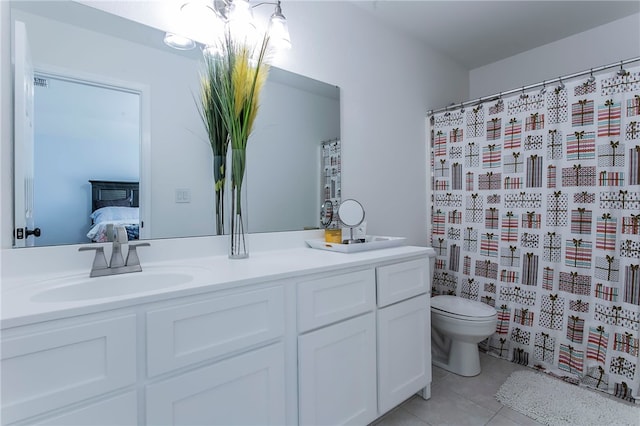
(404, 356)
(337, 373)
(23, 140)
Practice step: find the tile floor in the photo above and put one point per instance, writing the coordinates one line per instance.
(461, 401)
(464, 401)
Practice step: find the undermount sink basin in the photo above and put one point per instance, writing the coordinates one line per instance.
(85, 288)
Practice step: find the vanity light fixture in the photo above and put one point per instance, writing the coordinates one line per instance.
(236, 15)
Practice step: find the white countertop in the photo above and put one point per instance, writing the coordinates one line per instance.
(210, 273)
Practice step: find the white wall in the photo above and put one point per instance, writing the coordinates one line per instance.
(598, 46)
(388, 82)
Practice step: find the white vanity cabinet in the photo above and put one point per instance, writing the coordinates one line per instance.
(317, 338)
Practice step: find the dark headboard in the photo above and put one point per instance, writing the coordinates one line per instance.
(120, 193)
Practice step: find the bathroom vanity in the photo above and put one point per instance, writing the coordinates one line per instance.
(288, 336)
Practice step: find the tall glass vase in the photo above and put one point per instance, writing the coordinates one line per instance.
(237, 204)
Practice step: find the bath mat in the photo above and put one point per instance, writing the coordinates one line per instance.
(551, 401)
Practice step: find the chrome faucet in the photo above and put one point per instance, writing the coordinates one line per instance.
(117, 264)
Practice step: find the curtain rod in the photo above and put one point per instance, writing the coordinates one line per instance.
(492, 98)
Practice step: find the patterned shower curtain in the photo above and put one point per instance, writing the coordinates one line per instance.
(536, 212)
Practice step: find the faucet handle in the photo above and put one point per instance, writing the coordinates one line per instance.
(132, 255)
(99, 261)
(120, 234)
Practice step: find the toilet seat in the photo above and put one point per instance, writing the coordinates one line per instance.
(460, 308)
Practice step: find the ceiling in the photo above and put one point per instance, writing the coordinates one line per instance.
(477, 33)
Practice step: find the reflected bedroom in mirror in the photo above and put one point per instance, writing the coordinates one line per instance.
(115, 137)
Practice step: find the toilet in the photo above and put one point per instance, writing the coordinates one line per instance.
(457, 326)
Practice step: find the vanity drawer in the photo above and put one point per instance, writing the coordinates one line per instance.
(45, 370)
(330, 299)
(185, 334)
(401, 281)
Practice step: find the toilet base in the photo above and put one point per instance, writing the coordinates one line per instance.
(464, 359)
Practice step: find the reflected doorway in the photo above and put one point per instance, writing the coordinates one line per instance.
(82, 131)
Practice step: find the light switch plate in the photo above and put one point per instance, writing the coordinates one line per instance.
(183, 195)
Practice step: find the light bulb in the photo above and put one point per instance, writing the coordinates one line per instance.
(240, 21)
(202, 21)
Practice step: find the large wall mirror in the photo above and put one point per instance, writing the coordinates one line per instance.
(113, 103)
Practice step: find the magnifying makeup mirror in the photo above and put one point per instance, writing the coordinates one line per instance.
(351, 214)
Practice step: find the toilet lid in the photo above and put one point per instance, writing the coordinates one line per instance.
(462, 307)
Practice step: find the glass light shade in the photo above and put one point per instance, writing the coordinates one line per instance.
(240, 12)
(178, 42)
(279, 32)
(202, 20)
(240, 20)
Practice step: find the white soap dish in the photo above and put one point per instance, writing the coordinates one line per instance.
(371, 242)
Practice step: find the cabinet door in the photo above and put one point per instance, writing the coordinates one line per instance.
(43, 370)
(337, 373)
(248, 389)
(404, 356)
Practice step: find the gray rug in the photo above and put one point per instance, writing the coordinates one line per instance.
(551, 401)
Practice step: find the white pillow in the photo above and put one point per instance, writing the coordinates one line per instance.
(106, 214)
